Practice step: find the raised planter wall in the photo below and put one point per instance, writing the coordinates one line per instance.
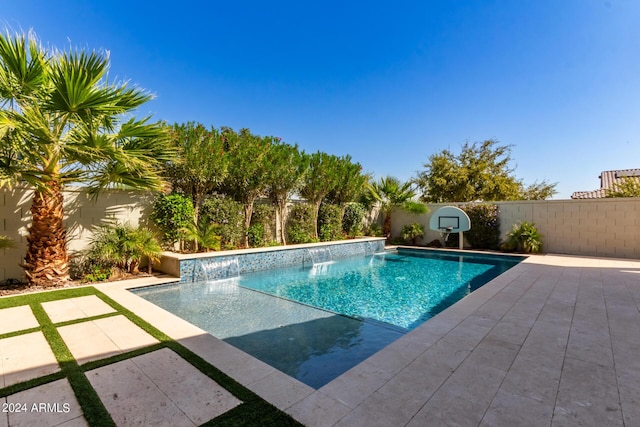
(250, 260)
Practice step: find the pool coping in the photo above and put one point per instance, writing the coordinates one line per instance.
(339, 396)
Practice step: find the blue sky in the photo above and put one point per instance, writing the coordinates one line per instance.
(388, 82)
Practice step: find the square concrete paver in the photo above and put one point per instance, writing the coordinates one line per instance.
(17, 319)
(102, 338)
(76, 308)
(24, 357)
(52, 404)
(159, 388)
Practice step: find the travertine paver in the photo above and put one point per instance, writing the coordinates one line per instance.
(76, 308)
(17, 319)
(103, 338)
(52, 404)
(159, 388)
(556, 343)
(24, 357)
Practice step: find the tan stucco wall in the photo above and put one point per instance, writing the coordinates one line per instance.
(599, 227)
(82, 215)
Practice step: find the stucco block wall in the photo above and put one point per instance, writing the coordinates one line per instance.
(82, 215)
(595, 227)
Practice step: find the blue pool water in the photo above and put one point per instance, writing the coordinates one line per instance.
(315, 323)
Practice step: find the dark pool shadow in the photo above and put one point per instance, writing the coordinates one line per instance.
(317, 351)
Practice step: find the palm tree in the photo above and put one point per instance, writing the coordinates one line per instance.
(390, 193)
(60, 124)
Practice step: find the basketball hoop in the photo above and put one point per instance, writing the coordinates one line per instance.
(444, 234)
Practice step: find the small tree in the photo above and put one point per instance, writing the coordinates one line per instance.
(249, 163)
(287, 169)
(321, 179)
(202, 163)
(350, 182)
(390, 193)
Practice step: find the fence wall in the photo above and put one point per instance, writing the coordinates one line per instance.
(82, 215)
(595, 227)
(598, 227)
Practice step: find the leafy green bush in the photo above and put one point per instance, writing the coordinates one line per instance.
(205, 234)
(353, 219)
(329, 222)
(124, 247)
(300, 227)
(525, 238)
(485, 226)
(373, 230)
(412, 232)
(260, 232)
(256, 235)
(170, 214)
(229, 217)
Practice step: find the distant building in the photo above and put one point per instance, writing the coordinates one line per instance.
(608, 179)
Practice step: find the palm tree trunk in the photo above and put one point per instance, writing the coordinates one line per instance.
(386, 226)
(47, 262)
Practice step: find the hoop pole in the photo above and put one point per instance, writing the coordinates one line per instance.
(460, 240)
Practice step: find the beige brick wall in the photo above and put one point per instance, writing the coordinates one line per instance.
(82, 214)
(598, 227)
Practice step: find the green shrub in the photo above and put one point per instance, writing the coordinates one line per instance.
(260, 232)
(329, 222)
(170, 214)
(373, 230)
(124, 247)
(205, 234)
(229, 217)
(300, 227)
(84, 268)
(412, 232)
(353, 219)
(525, 238)
(485, 226)
(256, 235)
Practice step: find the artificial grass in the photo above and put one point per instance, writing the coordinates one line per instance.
(253, 411)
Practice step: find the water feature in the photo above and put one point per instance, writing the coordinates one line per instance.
(320, 255)
(216, 268)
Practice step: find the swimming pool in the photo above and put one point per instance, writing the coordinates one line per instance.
(315, 323)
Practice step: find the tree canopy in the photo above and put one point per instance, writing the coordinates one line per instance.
(481, 172)
(627, 187)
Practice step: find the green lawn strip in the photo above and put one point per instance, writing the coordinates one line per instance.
(92, 408)
(95, 364)
(254, 408)
(26, 385)
(22, 332)
(17, 300)
(85, 319)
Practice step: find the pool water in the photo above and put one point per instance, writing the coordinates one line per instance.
(315, 323)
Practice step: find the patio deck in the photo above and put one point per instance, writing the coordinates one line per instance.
(552, 342)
